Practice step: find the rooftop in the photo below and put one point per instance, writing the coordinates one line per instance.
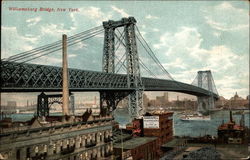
(135, 142)
(226, 126)
(159, 112)
(174, 142)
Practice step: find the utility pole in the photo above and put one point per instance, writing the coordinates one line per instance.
(122, 143)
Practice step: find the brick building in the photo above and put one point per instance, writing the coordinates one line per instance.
(149, 134)
(165, 130)
(139, 147)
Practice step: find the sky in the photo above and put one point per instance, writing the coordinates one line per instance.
(186, 36)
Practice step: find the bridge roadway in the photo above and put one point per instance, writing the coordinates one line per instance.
(25, 77)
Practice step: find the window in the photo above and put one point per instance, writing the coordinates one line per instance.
(28, 152)
(18, 154)
(36, 149)
(54, 148)
(45, 148)
(100, 136)
(80, 141)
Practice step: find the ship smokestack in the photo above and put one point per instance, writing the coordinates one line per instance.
(242, 120)
(65, 76)
(231, 117)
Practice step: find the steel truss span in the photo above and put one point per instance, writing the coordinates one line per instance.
(25, 77)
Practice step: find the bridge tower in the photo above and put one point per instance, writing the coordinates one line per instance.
(134, 81)
(205, 80)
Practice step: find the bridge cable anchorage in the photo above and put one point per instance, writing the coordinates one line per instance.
(71, 41)
(151, 53)
(50, 45)
(58, 47)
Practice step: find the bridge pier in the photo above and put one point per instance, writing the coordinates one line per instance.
(109, 100)
(205, 103)
(136, 103)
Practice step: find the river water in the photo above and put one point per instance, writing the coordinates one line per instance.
(181, 128)
(195, 128)
(201, 128)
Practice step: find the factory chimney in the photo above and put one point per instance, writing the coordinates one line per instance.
(65, 76)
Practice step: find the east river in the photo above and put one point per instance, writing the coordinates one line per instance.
(181, 128)
(198, 128)
(201, 128)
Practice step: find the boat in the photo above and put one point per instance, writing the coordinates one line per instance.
(26, 112)
(212, 110)
(195, 117)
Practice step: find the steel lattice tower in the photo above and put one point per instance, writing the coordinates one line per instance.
(133, 70)
(205, 81)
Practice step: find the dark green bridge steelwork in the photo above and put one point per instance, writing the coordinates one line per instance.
(24, 77)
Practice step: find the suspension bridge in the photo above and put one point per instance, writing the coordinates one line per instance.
(129, 67)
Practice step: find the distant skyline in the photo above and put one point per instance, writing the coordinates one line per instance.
(87, 97)
(186, 36)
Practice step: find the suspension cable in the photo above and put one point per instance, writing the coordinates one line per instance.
(151, 53)
(146, 68)
(50, 46)
(47, 49)
(70, 44)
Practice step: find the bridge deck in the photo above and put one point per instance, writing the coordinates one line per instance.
(26, 77)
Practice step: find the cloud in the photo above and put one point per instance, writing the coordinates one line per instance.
(92, 15)
(33, 21)
(221, 55)
(185, 56)
(217, 34)
(155, 29)
(228, 92)
(185, 38)
(95, 13)
(55, 29)
(226, 17)
(186, 43)
(53, 60)
(175, 63)
(71, 55)
(120, 11)
(14, 43)
(79, 45)
(151, 17)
